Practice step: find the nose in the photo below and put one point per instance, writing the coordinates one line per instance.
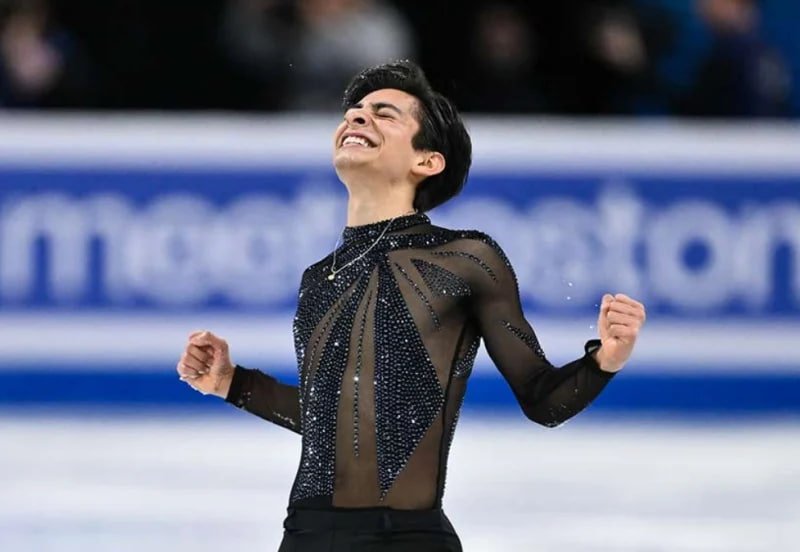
(355, 117)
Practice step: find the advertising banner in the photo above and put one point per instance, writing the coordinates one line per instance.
(111, 255)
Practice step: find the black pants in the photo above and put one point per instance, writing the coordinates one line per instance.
(368, 530)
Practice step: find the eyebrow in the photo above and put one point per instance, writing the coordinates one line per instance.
(377, 106)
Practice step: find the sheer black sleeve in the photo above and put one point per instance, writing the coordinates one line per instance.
(547, 395)
(266, 397)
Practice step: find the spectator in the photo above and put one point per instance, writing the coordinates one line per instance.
(339, 38)
(505, 56)
(258, 37)
(40, 62)
(595, 56)
(742, 76)
(304, 52)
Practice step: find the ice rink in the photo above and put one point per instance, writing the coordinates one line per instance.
(196, 482)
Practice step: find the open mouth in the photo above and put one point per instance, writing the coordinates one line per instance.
(357, 140)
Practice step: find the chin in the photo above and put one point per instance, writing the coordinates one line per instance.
(346, 159)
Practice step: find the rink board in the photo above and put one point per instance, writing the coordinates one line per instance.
(119, 237)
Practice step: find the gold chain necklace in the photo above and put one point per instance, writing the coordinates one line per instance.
(334, 271)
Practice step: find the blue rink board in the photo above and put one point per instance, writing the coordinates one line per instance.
(702, 251)
(653, 391)
(572, 221)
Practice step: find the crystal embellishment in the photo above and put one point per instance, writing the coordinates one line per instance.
(406, 385)
(441, 281)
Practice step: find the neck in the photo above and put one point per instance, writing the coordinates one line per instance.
(365, 207)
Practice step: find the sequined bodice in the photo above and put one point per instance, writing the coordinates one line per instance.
(384, 352)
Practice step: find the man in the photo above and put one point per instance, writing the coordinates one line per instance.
(387, 329)
(742, 75)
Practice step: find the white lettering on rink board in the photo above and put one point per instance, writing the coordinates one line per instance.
(182, 249)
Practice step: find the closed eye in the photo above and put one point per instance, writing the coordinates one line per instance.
(385, 107)
(386, 114)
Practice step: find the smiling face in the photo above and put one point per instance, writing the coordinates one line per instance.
(375, 138)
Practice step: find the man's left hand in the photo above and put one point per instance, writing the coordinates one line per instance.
(619, 323)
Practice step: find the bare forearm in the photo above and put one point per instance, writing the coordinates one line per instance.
(224, 387)
(605, 364)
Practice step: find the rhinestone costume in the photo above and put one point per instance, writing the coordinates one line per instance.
(384, 353)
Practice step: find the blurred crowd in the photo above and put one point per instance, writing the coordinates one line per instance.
(711, 58)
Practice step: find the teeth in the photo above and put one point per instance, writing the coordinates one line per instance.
(356, 140)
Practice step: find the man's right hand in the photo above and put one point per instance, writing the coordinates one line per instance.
(206, 364)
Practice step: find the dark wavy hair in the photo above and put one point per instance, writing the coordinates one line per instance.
(440, 127)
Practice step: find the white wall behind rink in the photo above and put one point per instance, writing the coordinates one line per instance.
(99, 342)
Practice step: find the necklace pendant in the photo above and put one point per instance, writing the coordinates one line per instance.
(331, 276)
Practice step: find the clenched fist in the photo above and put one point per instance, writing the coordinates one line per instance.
(206, 364)
(619, 323)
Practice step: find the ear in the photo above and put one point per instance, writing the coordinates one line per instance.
(428, 163)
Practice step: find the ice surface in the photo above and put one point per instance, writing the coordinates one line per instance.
(193, 482)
